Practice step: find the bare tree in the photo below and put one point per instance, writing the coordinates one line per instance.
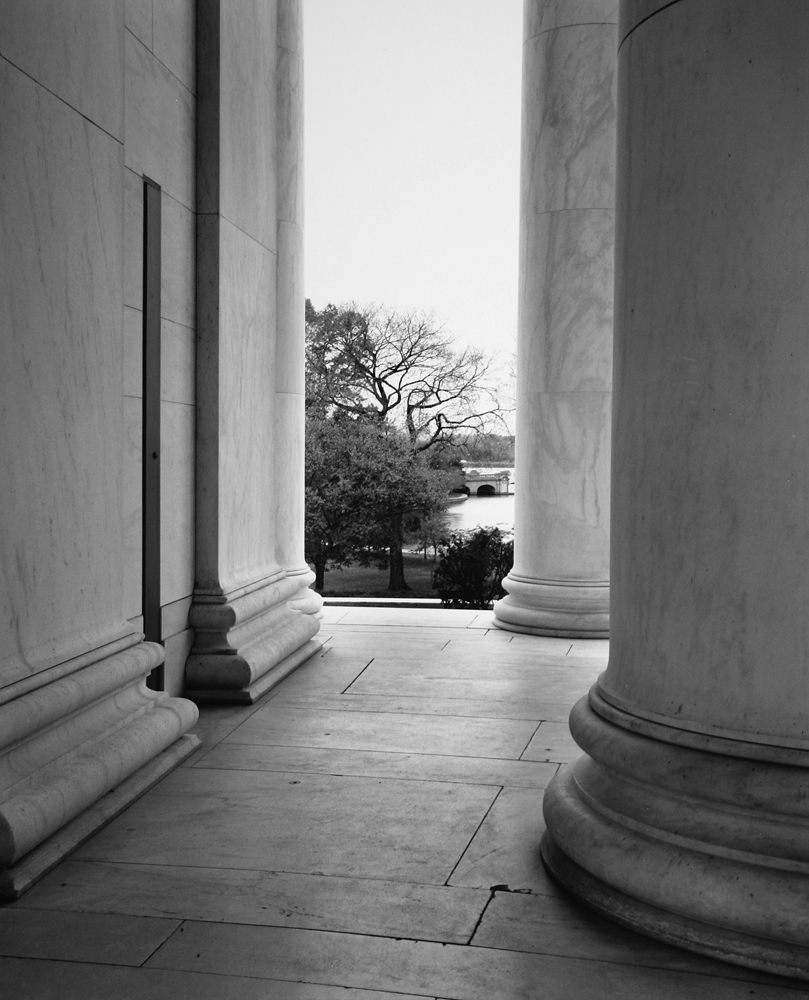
(400, 367)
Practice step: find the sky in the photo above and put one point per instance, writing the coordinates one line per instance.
(412, 112)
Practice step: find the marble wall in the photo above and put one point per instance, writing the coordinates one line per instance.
(61, 356)
(76, 716)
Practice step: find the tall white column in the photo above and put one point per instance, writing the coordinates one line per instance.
(689, 817)
(559, 584)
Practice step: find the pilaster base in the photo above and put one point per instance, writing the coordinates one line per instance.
(76, 751)
(700, 848)
(575, 610)
(247, 642)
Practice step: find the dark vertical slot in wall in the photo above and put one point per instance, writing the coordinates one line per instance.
(152, 625)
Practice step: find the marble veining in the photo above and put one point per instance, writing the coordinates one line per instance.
(568, 151)
(566, 278)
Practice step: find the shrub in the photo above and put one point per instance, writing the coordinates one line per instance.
(471, 567)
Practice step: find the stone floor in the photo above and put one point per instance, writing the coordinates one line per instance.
(369, 830)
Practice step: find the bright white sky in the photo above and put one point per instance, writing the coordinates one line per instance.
(412, 159)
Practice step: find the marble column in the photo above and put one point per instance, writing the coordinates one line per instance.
(688, 818)
(252, 619)
(559, 584)
(290, 348)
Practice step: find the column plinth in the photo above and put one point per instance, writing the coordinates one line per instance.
(697, 842)
(568, 608)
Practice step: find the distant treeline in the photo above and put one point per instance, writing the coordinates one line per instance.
(488, 449)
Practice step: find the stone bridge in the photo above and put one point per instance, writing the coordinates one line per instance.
(485, 484)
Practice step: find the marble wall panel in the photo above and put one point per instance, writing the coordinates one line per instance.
(247, 112)
(177, 250)
(74, 48)
(177, 355)
(178, 226)
(564, 458)
(138, 14)
(568, 145)
(566, 273)
(159, 125)
(61, 371)
(133, 506)
(176, 502)
(545, 15)
(246, 408)
(177, 649)
(133, 352)
(133, 239)
(174, 23)
(174, 617)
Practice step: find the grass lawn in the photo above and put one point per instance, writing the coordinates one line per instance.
(367, 581)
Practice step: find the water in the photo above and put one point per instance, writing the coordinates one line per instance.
(497, 511)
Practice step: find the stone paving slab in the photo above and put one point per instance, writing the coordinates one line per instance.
(505, 849)
(425, 734)
(38, 980)
(81, 937)
(297, 822)
(426, 969)
(552, 741)
(529, 708)
(364, 906)
(379, 764)
(452, 680)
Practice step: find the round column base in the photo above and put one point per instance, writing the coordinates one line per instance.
(573, 610)
(701, 850)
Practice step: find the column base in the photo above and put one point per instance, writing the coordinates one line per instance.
(77, 751)
(575, 610)
(699, 848)
(245, 643)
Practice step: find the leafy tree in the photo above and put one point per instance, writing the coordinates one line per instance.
(363, 485)
(398, 367)
(471, 566)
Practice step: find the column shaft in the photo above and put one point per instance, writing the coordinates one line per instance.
(559, 584)
(689, 818)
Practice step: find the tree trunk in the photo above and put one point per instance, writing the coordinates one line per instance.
(397, 581)
(320, 574)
